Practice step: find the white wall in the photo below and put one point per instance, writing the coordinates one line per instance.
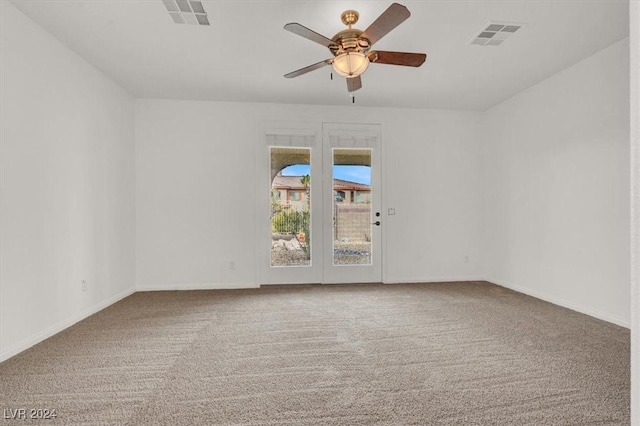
(67, 186)
(634, 53)
(556, 161)
(193, 157)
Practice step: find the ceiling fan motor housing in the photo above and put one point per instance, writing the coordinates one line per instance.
(349, 40)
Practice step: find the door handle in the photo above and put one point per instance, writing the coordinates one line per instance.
(376, 223)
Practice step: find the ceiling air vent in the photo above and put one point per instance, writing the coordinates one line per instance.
(187, 12)
(494, 34)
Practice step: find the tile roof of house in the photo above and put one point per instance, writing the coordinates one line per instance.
(293, 182)
(345, 184)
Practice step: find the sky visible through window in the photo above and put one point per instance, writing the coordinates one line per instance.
(358, 174)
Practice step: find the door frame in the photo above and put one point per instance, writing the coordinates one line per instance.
(352, 136)
(267, 275)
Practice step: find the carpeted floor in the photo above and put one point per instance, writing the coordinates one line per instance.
(428, 354)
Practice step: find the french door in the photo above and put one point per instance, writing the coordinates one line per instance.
(319, 204)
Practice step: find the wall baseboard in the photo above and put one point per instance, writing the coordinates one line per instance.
(561, 302)
(442, 279)
(199, 286)
(62, 325)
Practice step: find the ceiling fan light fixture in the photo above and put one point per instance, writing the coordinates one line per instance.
(350, 64)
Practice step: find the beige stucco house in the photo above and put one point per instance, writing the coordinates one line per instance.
(290, 193)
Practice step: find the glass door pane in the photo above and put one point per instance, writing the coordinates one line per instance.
(290, 206)
(352, 215)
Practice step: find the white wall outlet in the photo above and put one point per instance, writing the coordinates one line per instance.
(391, 212)
(232, 265)
(83, 285)
(466, 258)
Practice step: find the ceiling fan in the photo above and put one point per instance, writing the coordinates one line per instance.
(351, 47)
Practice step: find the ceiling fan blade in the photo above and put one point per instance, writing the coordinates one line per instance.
(354, 83)
(397, 58)
(308, 68)
(305, 32)
(390, 18)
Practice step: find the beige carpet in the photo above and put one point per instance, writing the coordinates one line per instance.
(428, 354)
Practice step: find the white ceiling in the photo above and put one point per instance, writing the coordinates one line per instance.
(243, 55)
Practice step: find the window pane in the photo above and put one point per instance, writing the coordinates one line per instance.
(352, 206)
(290, 206)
